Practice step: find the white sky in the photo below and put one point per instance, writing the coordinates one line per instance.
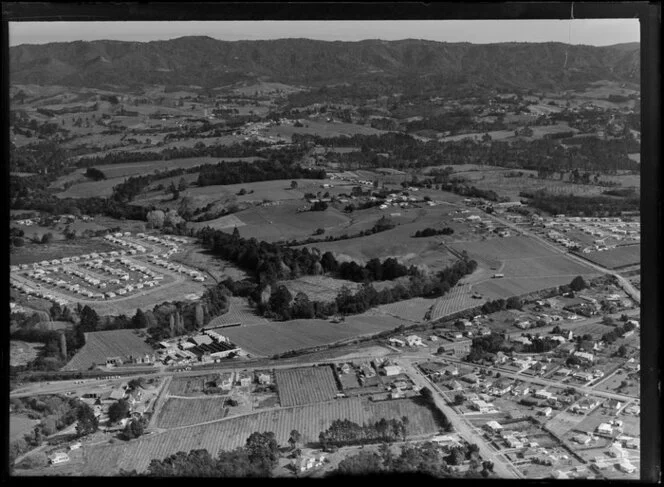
(597, 32)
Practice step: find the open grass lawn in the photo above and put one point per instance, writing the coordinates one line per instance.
(306, 385)
(231, 433)
(616, 258)
(279, 337)
(102, 344)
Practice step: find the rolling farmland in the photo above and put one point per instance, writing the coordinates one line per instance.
(274, 338)
(184, 412)
(231, 433)
(306, 385)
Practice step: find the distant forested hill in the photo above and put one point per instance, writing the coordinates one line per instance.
(209, 62)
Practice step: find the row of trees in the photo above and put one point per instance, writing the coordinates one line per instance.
(431, 232)
(246, 172)
(343, 432)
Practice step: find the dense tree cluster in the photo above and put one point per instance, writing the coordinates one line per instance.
(617, 332)
(482, 346)
(246, 172)
(95, 174)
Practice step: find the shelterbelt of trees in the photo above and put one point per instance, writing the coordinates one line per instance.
(588, 154)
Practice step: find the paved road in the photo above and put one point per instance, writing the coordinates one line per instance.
(501, 468)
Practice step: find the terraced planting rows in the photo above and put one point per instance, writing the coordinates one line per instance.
(233, 432)
(457, 299)
(239, 311)
(306, 385)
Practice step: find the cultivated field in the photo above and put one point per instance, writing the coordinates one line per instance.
(184, 412)
(231, 433)
(239, 311)
(457, 299)
(204, 260)
(306, 385)
(102, 344)
(413, 310)
(281, 337)
(616, 258)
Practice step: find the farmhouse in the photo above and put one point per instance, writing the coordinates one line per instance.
(414, 341)
(244, 379)
(494, 426)
(263, 378)
(604, 429)
(58, 457)
(225, 381)
(397, 342)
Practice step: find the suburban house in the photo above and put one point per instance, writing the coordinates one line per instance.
(501, 387)
(263, 378)
(392, 370)
(482, 406)
(585, 356)
(542, 394)
(586, 404)
(244, 379)
(582, 439)
(604, 429)
(494, 426)
(470, 378)
(613, 404)
(225, 381)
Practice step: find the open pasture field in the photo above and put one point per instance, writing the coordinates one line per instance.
(280, 222)
(398, 242)
(306, 385)
(231, 433)
(190, 386)
(178, 411)
(594, 329)
(319, 288)
(281, 337)
(31, 253)
(112, 343)
(199, 258)
(413, 310)
(22, 353)
(177, 290)
(239, 311)
(616, 258)
(20, 425)
(323, 129)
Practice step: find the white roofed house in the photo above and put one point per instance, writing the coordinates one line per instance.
(58, 457)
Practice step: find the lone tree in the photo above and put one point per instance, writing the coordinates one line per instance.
(87, 422)
(294, 438)
(293, 184)
(118, 410)
(578, 284)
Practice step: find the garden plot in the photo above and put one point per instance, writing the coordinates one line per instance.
(306, 385)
